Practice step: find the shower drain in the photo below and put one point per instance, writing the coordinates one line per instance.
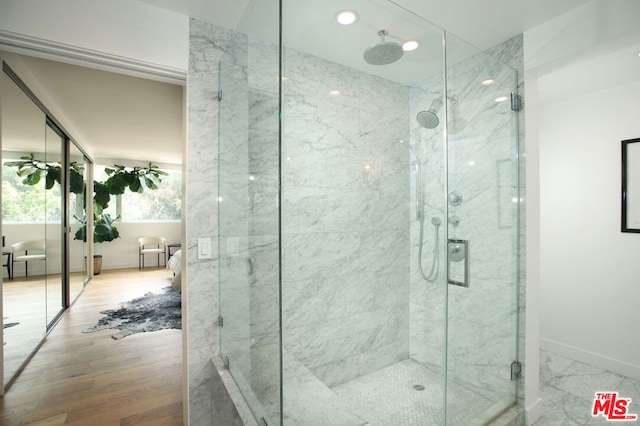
(418, 387)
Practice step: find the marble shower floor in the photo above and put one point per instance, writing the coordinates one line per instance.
(388, 397)
(567, 389)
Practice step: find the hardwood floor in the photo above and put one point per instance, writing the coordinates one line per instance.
(91, 379)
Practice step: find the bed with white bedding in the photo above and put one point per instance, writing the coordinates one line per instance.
(175, 264)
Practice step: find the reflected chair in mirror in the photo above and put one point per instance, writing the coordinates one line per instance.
(26, 251)
(7, 263)
(152, 245)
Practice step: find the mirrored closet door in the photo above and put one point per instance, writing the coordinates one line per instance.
(24, 221)
(44, 178)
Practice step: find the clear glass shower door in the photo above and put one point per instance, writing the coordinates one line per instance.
(482, 231)
(351, 192)
(248, 220)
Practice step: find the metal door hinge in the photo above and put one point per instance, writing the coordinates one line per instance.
(516, 370)
(220, 321)
(219, 98)
(516, 102)
(227, 362)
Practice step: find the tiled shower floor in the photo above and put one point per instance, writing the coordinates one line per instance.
(388, 397)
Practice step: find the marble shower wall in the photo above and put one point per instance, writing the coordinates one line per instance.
(201, 292)
(482, 166)
(347, 219)
(263, 264)
(511, 52)
(233, 206)
(428, 299)
(229, 142)
(248, 220)
(345, 212)
(482, 152)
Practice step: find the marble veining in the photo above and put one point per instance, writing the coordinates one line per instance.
(352, 304)
(568, 388)
(481, 133)
(201, 290)
(583, 380)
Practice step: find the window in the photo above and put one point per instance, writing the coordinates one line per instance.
(26, 203)
(163, 204)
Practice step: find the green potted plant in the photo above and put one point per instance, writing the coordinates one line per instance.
(103, 231)
(120, 178)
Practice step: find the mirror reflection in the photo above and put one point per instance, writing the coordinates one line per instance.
(24, 221)
(77, 247)
(54, 142)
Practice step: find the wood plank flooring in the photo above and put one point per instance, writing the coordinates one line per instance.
(91, 379)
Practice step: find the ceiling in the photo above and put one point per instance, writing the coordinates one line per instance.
(113, 116)
(123, 117)
(484, 23)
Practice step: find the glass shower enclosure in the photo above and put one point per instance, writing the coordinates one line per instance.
(368, 218)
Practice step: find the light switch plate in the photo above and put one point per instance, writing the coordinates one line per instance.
(204, 248)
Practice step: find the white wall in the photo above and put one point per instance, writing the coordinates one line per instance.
(590, 271)
(123, 252)
(118, 254)
(588, 100)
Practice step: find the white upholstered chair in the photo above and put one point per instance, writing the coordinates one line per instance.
(152, 245)
(27, 251)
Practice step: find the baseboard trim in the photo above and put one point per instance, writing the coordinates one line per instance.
(534, 412)
(591, 358)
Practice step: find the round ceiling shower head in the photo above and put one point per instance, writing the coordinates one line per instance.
(383, 53)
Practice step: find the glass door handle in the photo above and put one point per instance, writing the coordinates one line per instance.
(458, 262)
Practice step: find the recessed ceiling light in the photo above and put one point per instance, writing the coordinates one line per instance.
(501, 99)
(410, 45)
(488, 82)
(347, 17)
(334, 92)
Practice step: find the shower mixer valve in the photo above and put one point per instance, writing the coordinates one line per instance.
(455, 198)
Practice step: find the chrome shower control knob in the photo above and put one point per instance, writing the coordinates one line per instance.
(455, 198)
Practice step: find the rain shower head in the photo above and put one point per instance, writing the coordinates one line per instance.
(429, 118)
(384, 52)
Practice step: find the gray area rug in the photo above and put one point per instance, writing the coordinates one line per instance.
(151, 312)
